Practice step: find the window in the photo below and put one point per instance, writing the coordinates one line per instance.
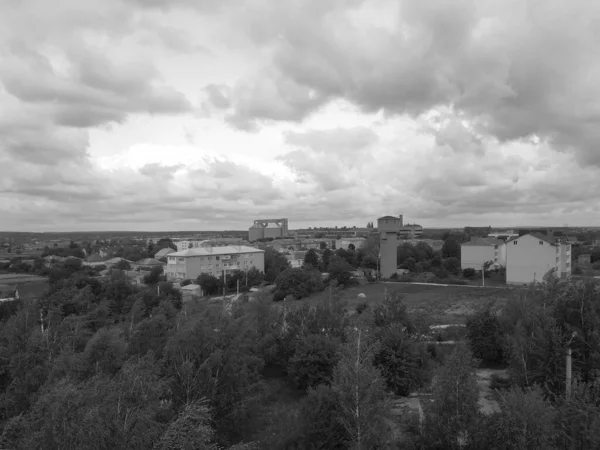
(217, 258)
(181, 259)
(495, 247)
(515, 242)
(541, 242)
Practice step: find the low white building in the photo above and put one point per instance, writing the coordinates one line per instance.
(344, 243)
(296, 259)
(479, 250)
(188, 264)
(531, 256)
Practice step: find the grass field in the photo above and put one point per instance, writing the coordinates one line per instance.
(441, 304)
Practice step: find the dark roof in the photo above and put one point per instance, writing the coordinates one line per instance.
(31, 291)
(149, 262)
(486, 241)
(541, 237)
(389, 217)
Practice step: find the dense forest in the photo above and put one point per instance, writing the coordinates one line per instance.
(102, 364)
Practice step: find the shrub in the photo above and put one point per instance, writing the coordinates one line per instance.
(469, 272)
(361, 307)
(498, 383)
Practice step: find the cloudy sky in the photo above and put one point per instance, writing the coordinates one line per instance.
(207, 114)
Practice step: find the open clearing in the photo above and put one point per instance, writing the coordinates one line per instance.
(441, 304)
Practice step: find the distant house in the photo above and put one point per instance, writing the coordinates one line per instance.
(148, 262)
(344, 243)
(296, 259)
(114, 261)
(163, 252)
(191, 291)
(480, 250)
(108, 252)
(531, 256)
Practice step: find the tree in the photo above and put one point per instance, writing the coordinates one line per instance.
(320, 427)
(452, 265)
(451, 249)
(359, 386)
(452, 416)
(154, 276)
(298, 283)
(275, 263)
(313, 361)
(525, 421)
(191, 430)
(410, 264)
(340, 271)
(401, 361)
(311, 258)
(483, 332)
(122, 265)
(325, 260)
(210, 284)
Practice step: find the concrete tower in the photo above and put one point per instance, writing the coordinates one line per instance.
(388, 227)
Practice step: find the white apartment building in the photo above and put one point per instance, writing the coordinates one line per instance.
(188, 264)
(479, 250)
(531, 256)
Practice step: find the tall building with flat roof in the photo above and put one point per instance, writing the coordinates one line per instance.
(188, 264)
(388, 227)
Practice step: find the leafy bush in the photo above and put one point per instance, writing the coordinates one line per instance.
(484, 336)
(298, 283)
(361, 307)
(498, 383)
(313, 361)
(469, 272)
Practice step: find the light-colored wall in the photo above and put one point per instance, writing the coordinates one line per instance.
(529, 258)
(195, 265)
(388, 246)
(502, 255)
(473, 256)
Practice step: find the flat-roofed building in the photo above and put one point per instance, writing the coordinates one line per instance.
(188, 264)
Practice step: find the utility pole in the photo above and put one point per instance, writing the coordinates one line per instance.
(483, 274)
(568, 380)
(569, 367)
(224, 283)
(238, 286)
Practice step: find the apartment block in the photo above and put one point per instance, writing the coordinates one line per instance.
(531, 256)
(188, 264)
(475, 253)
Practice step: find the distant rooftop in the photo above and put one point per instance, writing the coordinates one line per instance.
(207, 251)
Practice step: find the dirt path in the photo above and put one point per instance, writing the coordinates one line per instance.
(487, 403)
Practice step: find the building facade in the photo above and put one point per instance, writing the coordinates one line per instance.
(475, 253)
(388, 227)
(268, 228)
(344, 243)
(215, 261)
(531, 256)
